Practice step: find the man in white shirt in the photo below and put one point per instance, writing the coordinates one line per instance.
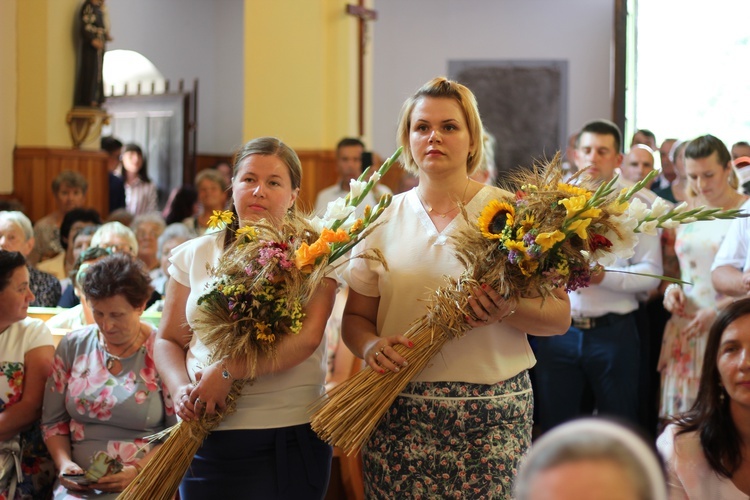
(601, 348)
(349, 153)
(730, 272)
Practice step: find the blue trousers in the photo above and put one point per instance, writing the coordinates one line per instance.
(606, 358)
(284, 463)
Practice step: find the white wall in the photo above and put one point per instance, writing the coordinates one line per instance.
(415, 39)
(191, 39)
(412, 41)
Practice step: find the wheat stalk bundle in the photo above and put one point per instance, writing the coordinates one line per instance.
(256, 300)
(161, 478)
(549, 234)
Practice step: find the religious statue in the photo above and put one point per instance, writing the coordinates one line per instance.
(89, 90)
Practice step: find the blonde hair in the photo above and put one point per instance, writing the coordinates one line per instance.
(441, 87)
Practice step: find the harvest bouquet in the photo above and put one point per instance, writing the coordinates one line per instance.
(255, 300)
(548, 235)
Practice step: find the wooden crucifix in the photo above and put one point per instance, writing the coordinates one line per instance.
(363, 14)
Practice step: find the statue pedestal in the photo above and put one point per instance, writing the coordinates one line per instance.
(83, 122)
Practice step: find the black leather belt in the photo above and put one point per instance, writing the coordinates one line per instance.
(598, 322)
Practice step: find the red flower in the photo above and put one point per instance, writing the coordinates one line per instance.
(597, 241)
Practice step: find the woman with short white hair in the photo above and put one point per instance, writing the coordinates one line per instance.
(17, 235)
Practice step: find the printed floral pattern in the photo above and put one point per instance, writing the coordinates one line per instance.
(682, 357)
(99, 410)
(450, 440)
(36, 465)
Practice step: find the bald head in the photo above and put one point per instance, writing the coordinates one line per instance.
(639, 162)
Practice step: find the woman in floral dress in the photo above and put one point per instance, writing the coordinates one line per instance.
(26, 352)
(711, 182)
(104, 394)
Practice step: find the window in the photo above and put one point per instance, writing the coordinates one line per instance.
(687, 73)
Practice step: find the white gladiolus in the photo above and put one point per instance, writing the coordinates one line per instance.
(356, 188)
(338, 210)
(649, 227)
(318, 224)
(637, 209)
(375, 177)
(659, 208)
(682, 207)
(670, 224)
(688, 220)
(623, 245)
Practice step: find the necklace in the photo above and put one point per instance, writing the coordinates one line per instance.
(443, 215)
(111, 358)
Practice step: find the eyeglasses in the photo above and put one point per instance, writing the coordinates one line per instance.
(119, 248)
(92, 253)
(140, 234)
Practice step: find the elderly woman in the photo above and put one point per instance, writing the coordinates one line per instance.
(69, 190)
(104, 394)
(707, 449)
(17, 235)
(26, 358)
(212, 195)
(113, 236)
(173, 236)
(79, 315)
(147, 229)
(117, 237)
(590, 458)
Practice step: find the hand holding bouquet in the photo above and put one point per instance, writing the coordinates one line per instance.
(255, 301)
(547, 235)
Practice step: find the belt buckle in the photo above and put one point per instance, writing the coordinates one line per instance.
(583, 323)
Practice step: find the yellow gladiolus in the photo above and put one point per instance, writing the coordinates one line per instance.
(548, 240)
(579, 227)
(573, 205)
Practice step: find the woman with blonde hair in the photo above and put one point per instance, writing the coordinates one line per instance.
(461, 426)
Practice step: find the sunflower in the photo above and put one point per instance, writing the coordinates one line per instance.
(495, 216)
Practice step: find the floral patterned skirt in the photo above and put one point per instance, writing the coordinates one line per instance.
(680, 364)
(450, 440)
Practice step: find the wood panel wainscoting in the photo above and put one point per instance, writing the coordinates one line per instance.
(318, 172)
(35, 168)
